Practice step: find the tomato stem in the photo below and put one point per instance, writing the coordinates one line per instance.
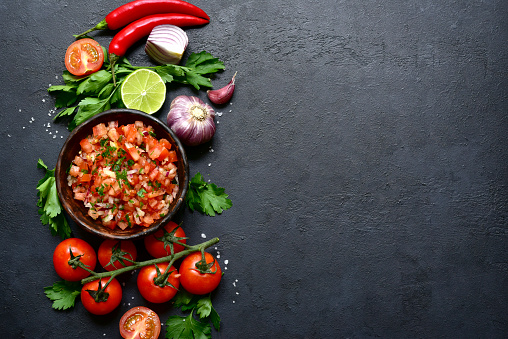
(136, 265)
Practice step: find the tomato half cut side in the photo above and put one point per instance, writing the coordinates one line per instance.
(83, 57)
(140, 323)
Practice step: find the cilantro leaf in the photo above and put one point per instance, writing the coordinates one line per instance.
(184, 300)
(65, 95)
(187, 327)
(63, 294)
(94, 83)
(205, 310)
(50, 208)
(204, 63)
(205, 197)
(87, 108)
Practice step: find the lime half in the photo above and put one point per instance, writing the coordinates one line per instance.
(143, 90)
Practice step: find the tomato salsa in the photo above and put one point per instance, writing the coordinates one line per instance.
(124, 175)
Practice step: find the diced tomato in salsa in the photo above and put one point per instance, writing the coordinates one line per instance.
(124, 175)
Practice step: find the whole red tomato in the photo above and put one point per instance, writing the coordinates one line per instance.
(140, 323)
(150, 288)
(159, 244)
(76, 249)
(193, 280)
(99, 300)
(112, 254)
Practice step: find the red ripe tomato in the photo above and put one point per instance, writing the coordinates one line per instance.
(79, 249)
(83, 57)
(112, 254)
(140, 323)
(103, 303)
(159, 244)
(150, 290)
(193, 280)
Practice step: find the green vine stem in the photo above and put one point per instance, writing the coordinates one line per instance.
(170, 258)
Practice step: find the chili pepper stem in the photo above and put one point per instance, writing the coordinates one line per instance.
(101, 25)
(171, 258)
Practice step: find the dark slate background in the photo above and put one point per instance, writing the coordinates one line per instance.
(365, 152)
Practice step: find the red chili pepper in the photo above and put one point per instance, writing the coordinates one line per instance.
(142, 27)
(138, 9)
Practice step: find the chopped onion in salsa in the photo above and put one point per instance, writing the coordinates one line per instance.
(124, 175)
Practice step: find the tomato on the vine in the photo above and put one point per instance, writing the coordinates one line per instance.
(77, 250)
(140, 323)
(159, 244)
(154, 287)
(84, 56)
(112, 254)
(193, 280)
(99, 300)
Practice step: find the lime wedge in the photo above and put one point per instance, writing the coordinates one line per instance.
(143, 90)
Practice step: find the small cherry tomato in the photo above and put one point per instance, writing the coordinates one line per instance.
(99, 300)
(159, 244)
(153, 290)
(112, 254)
(140, 323)
(83, 57)
(77, 249)
(193, 280)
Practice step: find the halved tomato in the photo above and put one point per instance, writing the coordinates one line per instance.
(140, 322)
(84, 56)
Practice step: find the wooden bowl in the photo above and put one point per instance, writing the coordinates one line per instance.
(76, 209)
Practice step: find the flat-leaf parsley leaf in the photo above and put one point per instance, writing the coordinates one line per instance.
(63, 294)
(50, 208)
(206, 197)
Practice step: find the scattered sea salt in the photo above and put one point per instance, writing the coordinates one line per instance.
(203, 235)
(226, 262)
(209, 164)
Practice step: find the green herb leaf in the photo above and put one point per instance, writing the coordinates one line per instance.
(67, 111)
(50, 207)
(187, 327)
(64, 95)
(63, 294)
(204, 63)
(206, 197)
(94, 83)
(87, 108)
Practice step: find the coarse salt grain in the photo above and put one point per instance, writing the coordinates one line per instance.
(203, 235)
(226, 262)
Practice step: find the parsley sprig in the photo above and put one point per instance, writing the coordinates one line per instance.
(188, 326)
(84, 97)
(206, 197)
(50, 208)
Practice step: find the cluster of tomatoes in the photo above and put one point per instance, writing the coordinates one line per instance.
(156, 282)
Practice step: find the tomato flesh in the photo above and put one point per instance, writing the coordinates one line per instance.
(83, 57)
(140, 323)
